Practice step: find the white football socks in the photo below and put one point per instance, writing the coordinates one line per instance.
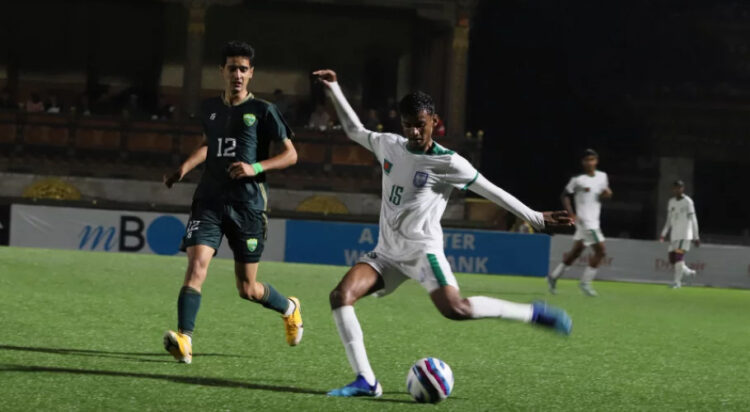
(484, 307)
(588, 275)
(559, 271)
(354, 343)
(679, 271)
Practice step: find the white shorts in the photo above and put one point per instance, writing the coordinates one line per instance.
(681, 244)
(431, 270)
(588, 236)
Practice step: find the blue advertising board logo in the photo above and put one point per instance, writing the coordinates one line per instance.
(163, 235)
(469, 251)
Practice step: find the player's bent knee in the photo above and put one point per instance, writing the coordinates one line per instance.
(252, 291)
(197, 272)
(339, 298)
(460, 310)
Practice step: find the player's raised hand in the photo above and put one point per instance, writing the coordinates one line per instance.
(238, 170)
(326, 76)
(558, 218)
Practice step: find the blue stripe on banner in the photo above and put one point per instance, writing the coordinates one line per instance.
(467, 251)
(439, 376)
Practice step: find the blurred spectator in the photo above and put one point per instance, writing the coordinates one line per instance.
(132, 108)
(392, 123)
(84, 108)
(372, 121)
(165, 110)
(440, 127)
(319, 118)
(6, 101)
(34, 104)
(53, 106)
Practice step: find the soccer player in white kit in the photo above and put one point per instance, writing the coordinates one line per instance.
(682, 227)
(588, 190)
(418, 177)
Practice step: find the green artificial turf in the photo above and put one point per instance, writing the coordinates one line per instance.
(83, 331)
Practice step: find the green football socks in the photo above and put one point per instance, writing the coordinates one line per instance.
(272, 299)
(187, 309)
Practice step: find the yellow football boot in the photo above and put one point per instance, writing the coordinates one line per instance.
(293, 324)
(179, 345)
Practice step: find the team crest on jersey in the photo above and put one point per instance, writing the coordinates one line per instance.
(249, 119)
(420, 179)
(387, 166)
(252, 244)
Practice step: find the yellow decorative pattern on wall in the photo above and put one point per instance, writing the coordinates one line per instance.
(323, 204)
(52, 188)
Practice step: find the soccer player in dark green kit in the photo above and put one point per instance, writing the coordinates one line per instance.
(231, 198)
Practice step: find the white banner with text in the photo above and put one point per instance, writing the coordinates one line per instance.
(115, 231)
(647, 261)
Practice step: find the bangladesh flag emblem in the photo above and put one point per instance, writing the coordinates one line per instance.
(252, 244)
(387, 166)
(249, 119)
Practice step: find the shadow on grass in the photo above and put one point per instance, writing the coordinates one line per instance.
(190, 380)
(107, 354)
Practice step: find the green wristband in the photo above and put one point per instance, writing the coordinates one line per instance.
(257, 167)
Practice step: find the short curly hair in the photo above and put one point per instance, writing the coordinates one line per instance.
(237, 48)
(415, 102)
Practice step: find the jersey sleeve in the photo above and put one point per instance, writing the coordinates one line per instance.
(507, 201)
(353, 127)
(570, 188)
(460, 174)
(274, 125)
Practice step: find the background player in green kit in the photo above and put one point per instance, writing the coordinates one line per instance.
(231, 198)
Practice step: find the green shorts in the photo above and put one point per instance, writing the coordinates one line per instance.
(245, 228)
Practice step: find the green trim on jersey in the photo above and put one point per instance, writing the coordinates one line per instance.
(228, 103)
(438, 150)
(263, 195)
(434, 150)
(476, 176)
(435, 265)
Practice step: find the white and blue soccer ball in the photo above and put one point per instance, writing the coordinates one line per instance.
(429, 380)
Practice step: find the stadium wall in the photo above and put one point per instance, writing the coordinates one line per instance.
(154, 193)
(336, 243)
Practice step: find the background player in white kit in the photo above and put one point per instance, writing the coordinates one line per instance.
(588, 190)
(682, 226)
(418, 176)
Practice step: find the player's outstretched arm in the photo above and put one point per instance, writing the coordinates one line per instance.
(197, 157)
(567, 204)
(286, 158)
(349, 120)
(539, 220)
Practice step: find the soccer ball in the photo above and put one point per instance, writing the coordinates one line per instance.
(429, 380)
